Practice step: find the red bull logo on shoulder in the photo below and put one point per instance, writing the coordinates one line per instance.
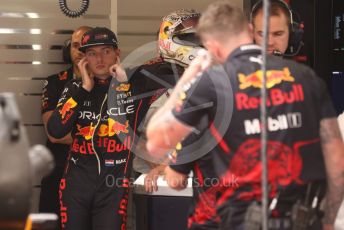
(273, 77)
(67, 106)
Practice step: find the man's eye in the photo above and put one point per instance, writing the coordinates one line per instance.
(279, 33)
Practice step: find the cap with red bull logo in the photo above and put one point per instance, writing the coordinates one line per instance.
(98, 36)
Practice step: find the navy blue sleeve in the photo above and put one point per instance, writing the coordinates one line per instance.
(49, 94)
(64, 116)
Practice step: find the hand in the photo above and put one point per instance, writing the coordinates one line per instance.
(152, 177)
(87, 78)
(117, 71)
(175, 180)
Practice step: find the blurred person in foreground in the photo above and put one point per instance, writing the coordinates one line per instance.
(304, 147)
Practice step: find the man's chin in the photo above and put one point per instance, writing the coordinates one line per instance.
(102, 74)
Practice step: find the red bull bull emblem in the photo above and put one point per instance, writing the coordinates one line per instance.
(113, 127)
(86, 131)
(273, 77)
(67, 106)
(85, 39)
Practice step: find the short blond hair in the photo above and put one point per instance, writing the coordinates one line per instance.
(222, 18)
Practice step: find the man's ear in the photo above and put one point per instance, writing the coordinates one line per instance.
(215, 48)
(250, 27)
(118, 51)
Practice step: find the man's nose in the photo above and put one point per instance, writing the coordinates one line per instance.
(271, 40)
(99, 57)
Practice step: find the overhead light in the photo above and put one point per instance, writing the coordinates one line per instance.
(32, 15)
(11, 15)
(6, 31)
(35, 31)
(36, 63)
(36, 47)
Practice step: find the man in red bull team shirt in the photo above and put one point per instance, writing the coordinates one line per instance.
(285, 35)
(103, 120)
(304, 145)
(53, 87)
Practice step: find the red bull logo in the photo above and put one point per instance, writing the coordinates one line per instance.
(67, 106)
(116, 127)
(123, 87)
(86, 131)
(85, 39)
(273, 77)
(274, 98)
(110, 145)
(113, 127)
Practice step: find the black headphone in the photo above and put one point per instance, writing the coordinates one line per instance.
(66, 49)
(296, 29)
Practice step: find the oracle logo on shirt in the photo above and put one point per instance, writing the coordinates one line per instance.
(118, 111)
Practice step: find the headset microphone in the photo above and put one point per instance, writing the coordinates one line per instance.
(277, 53)
(296, 29)
(291, 54)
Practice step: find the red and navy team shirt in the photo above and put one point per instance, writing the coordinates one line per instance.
(297, 100)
